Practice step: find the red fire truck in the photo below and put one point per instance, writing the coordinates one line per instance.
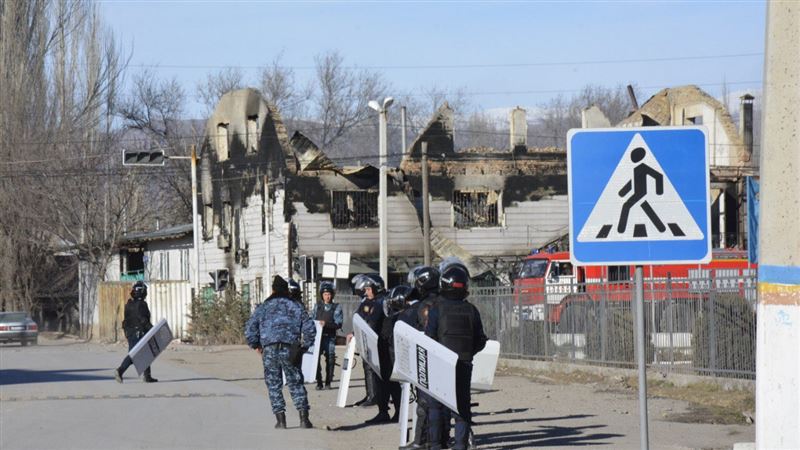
(545, 284)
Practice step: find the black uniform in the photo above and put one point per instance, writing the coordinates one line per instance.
(135, 325)
(457, 325)
(387, 388)
(372, 313)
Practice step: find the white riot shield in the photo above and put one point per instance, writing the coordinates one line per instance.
(150, 346)
(311, 357)
(367, 342)
(405, 397)
(425, 363)
(484, 365)
(347, 370)
(309, 365)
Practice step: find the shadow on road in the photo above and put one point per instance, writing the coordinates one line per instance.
(21, 376)
(502, 411)
(534, 419)
(545, 436)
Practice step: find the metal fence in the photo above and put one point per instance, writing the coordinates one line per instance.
(701, 324)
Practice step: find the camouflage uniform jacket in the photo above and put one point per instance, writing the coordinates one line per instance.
(279, 320)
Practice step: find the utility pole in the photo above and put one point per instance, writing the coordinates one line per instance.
(778, 310)
(267, 283)
(403, 128)
(426, 211)
(382, 198)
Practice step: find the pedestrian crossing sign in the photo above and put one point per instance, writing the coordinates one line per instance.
(639, 195)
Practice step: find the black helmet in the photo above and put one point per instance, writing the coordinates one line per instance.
(451, 261)
(139, 290)
(327, 286)
(396, 300)
(294, 289)
(454, 282)
(426, 279)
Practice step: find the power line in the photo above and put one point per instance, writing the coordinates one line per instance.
(464, 66)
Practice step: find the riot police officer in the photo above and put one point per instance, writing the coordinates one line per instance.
(370, 310)
(393, 304)
(331, 315)
(456, 324)
(425, 280)
(135, 324)
(274, 330)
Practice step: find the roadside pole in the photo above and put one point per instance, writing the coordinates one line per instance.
(157, 157)
(778, 309)
(426, 211)
(195, 224)
(644, 441)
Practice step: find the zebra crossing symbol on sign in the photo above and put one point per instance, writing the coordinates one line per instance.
(639, 202)
(639, 195)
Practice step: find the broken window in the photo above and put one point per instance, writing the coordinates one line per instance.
(354, 209)
(476, 209)
(252, 134)
(697, 120)
(222, 141)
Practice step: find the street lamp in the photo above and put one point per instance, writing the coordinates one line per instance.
(382, 198)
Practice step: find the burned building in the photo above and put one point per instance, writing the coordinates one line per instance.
(487, 206)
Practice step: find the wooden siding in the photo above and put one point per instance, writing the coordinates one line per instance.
(169, 300)
(525, 225)
(213, 258)
(315, 234)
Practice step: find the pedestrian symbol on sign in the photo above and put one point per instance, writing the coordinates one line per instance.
(639, 193)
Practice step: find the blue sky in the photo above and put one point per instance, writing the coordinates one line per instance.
(372, 34)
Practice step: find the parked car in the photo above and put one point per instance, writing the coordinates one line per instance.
(18, 327)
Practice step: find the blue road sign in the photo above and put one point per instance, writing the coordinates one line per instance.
(639, 196)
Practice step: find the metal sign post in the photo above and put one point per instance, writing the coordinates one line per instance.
(639, 340)
(639, 196)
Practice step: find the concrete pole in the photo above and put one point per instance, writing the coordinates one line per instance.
(267, 283)
(195, 224)
(426, 207)
(778, 317)
(403, 127)
(382, 199)
(722, 231)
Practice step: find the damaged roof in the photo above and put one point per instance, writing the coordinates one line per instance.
(173, 232)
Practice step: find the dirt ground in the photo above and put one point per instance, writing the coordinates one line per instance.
(525, 410)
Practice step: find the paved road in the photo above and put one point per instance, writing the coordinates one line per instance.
(65, 396)
(62, 395)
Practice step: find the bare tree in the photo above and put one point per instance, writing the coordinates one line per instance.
(154, 111)
(217, 84)
(561, 113)
(59, 72)
(279, 87)
(341, 97)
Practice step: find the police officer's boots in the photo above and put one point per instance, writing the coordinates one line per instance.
(304, 422)
(328, 376)
(281, 421)
(148, 377)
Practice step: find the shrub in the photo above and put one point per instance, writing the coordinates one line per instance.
(618, 338)
(734, 325)
(219, 319)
